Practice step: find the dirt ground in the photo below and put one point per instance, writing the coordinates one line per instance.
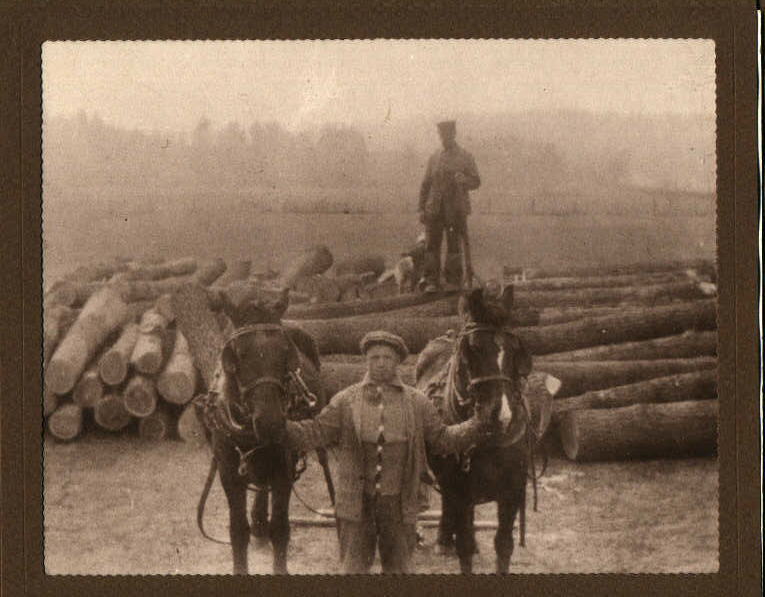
(118, 505)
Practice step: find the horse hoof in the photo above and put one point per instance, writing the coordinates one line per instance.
(444, 550)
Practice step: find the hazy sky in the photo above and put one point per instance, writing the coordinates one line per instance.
(170, 85)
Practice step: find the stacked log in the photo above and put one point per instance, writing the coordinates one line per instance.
(140, 396)
(156, 426)
(113, 366)
(110, 413)
(360, 264)
(65, 423)
(147, 355)
(104, 313)
(315, 260)
(641, 431)
(177, 381)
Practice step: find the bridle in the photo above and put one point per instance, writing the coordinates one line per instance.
(473, 382)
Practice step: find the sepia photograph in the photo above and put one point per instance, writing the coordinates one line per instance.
(412, 306)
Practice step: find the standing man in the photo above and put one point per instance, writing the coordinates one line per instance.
(381, 427)
(445, 204)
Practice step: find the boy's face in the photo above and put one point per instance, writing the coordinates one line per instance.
(382, 361)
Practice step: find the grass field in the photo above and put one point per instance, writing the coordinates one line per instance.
(230, 227)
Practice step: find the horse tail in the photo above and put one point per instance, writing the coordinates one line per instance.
(203, 500)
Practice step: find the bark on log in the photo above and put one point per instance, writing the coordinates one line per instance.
(177, 267)
(611, 329)
(698, 385)
(113, 365)
(236, 271)
(65, 423)
(190, 428)
(178, 379)
(89, 389)
(367, 306)
(140, 396)
(641, 431)
(585, 376)
(157, 426)
(616, 270)
(576, 378)
(556, 315)
(686, 345)
(148, 356)
(104, 313)
(605, 281)
(315, 260)
(57, 319)
(360, 264)
(589, 297)
(209, 271)
(197, 323)
(50, 402)
(343, 335)
(110, 413)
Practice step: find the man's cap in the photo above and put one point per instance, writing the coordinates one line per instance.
(382, 337)
(447, 126)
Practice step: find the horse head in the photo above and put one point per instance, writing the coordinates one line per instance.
(257, 360)
(490, 358)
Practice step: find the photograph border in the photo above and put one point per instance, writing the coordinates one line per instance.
(731, 24)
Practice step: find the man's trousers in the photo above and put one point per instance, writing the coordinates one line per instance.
(381, 526)
(434, 233)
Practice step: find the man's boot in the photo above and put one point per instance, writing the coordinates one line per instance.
(453, 270)
(432, 271)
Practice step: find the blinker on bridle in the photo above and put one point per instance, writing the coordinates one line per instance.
(473, 382)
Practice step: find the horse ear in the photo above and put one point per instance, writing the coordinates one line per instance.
(508, 297)
(281, 304)
(472, 303)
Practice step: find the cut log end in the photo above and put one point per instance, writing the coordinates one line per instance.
(140, 397)
(60, 376)
(177, 388)
(113, 368)
(65, 423)
(110, 413)
(88, 391)
(190, 428)
(155, 427)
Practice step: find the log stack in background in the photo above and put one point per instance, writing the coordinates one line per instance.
(633, 347)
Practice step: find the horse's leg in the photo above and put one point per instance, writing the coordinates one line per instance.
(239, 529)
(507, 508)
(260, 518)
(279, 527)
(445, 539)
(465, 534)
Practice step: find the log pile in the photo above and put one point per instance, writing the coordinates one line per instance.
(632, 348)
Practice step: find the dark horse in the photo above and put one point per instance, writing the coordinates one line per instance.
(268, 373)
(483, 362)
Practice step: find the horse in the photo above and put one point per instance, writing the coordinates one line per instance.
(483, 363)
(268, 373)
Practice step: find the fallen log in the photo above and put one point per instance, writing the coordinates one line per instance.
(95, 272)
(366, 306)
(611, 329)
(579, 377)
(697, 385)
(57, 319)
(113, 365)
(360, 264)
(65, 423)
(159, 271)
(110, 413)
(198, 324)
(209, 271)
(686, 345)
(589, 297)
(236, 271)
(156, 426)
(575, 378)
(140, 396)
(89, 389)
(641, 431)
(147, 356)
(315, 260)
(103, 314)
(50, 402)
(343, 335)
(604, 281)
(189, 428)
(178, 379)
(616, 270)
(556, 315)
